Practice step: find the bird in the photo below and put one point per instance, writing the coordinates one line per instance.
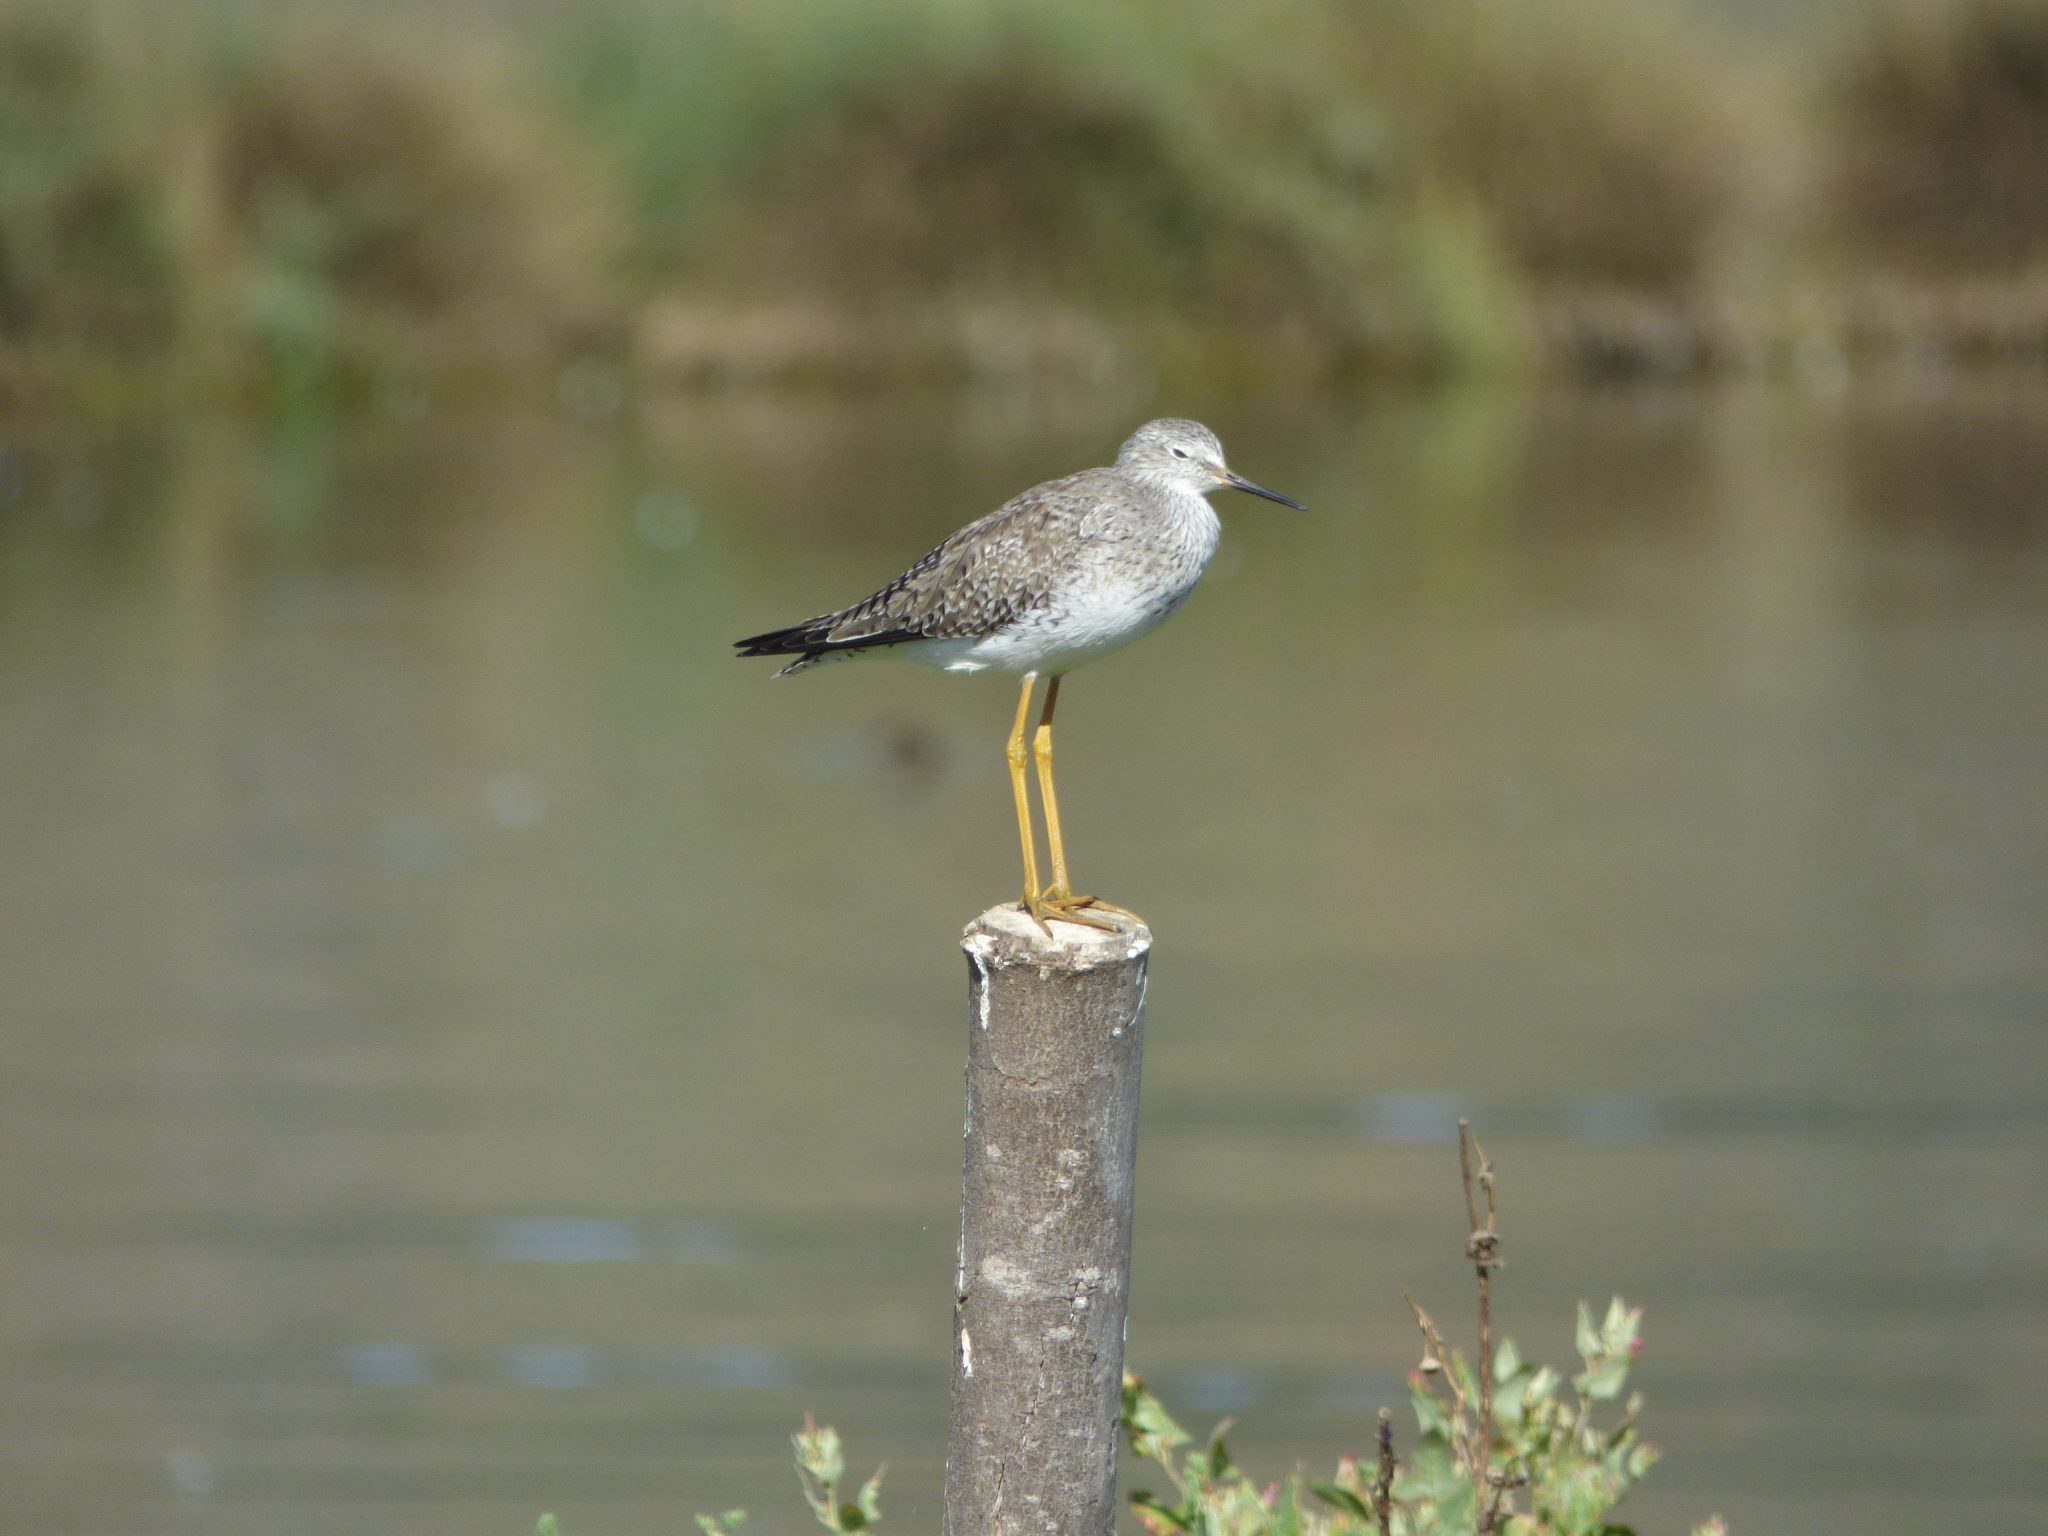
(1057, 575)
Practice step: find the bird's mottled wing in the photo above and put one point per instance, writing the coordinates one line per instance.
(975, 583)
(978, 580)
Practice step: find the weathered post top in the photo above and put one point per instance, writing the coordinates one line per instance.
(1054, 1040)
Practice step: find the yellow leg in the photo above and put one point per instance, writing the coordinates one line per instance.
(1017, 756)
(1058, 899)
(1041, 749)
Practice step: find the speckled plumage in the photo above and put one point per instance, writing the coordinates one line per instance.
(1055, 576)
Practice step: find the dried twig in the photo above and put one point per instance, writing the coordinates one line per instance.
(1383, 1483)
(1483, 1249)
(1434, 1356)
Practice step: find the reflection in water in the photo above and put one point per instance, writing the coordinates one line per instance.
(473, 1048)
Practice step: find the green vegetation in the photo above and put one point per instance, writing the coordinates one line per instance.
(85, 251)
(1599, 143)
(1940, 127)
(1553, 1467)
(809, 189)
(354, 210)
(1499, 1449)
(1934, 186)
(1358, 187)
(296, 213)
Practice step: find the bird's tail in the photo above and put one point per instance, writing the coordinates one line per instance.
(813, 641)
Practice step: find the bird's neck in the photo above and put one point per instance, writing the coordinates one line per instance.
(1194, 521)
(1194, 507)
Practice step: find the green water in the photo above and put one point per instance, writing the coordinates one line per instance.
(471, 1046)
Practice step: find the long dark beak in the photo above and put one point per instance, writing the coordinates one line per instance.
(1238, 482)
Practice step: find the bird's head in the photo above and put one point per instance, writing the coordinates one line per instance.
(1185, 456)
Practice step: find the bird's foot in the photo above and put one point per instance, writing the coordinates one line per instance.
(1053, 904)
(1096, 904)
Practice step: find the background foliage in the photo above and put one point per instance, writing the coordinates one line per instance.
(300, 199)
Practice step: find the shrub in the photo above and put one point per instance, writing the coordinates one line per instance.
(934, 150)
(360, 208)
(1601, 141)
(1383, 184)
(84, 258)
(1500, 1450)
(1939, 119)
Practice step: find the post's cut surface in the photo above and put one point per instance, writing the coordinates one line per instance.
(1055, 1033)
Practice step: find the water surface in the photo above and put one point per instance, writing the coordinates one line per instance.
(471, 1046)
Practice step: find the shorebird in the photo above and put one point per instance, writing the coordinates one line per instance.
(1056, 576)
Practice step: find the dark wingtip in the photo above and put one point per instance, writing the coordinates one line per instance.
(777, 642)
(810, 641)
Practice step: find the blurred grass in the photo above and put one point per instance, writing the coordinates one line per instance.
(960, 155)
(356, 209)
(1602, 141)
(1933, 189)
(1369, 186)
(1939, 119)
(85, 256)
(304, 205)
(299, 212)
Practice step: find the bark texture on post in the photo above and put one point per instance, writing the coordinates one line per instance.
(1055, 1029)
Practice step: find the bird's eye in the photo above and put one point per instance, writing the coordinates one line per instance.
(1180, 453)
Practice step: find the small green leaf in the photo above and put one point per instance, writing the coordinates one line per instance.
(1586, 1340)
(1289, 1519)
(1432, 1473)
(871, 1496)
(1218, 1460)
(1603, 1380)
(549, 1526)
(1619, 1328)
(1507, 1360)
(852, 1518)
(818, 1452)
(1508, 1408)
(1153, 1433)
(1461, 1368)
(1609, 1351)
(1341, 1498)
(1158, 1518)
(1432, 1413)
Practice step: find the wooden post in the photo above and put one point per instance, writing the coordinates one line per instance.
(1055, 1030)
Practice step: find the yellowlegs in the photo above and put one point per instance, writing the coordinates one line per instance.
(1054, 577)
